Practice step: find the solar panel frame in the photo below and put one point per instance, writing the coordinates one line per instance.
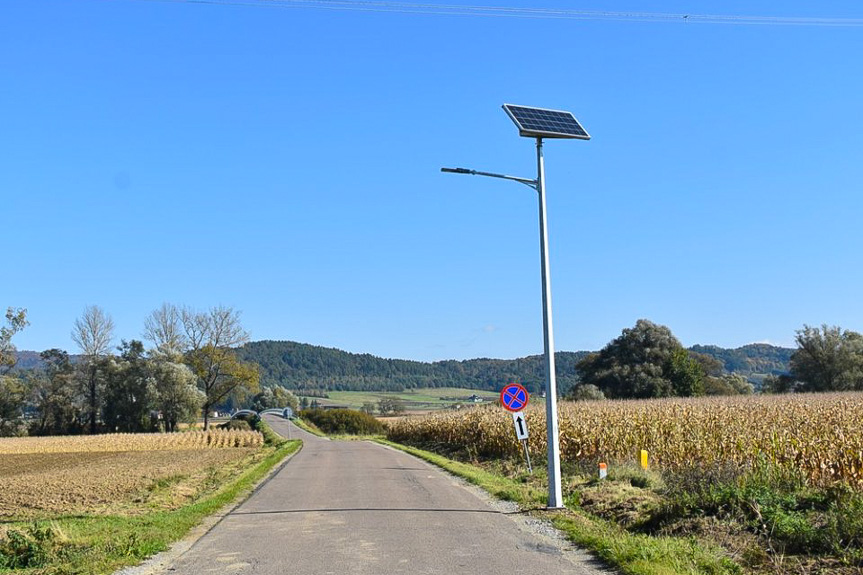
(545, 123)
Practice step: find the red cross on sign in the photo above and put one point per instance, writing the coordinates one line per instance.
(514, 397)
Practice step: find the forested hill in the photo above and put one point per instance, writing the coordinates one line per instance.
(303, 366)
(298, 365)
(752, 359)
(310, 367)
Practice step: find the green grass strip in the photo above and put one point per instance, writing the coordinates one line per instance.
(308, 426)
(631, 553)
(101, 545)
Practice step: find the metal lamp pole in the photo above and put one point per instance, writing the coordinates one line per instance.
(555, 493)
(542, 123)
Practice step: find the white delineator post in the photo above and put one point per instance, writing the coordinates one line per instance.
(555, 493)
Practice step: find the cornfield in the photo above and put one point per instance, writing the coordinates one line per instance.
(214, 438)
(820, 435)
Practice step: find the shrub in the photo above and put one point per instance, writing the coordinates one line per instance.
(343, 421)
(236, 425)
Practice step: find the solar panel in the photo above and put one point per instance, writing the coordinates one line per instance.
(542, 123)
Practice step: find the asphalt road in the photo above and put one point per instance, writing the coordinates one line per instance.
(361, 508)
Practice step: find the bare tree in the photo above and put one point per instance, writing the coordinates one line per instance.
(93, 332)
(165, 329)
(207, 341)
(219, 327)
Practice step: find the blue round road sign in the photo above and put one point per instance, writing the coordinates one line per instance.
(514, 397)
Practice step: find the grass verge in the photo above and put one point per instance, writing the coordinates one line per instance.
(103, 544)
(308, 426)
(630, 553)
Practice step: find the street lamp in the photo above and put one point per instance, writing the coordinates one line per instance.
(541, 123)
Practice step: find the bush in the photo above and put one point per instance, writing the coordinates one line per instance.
(237, 425)
(270, 436)
(586, 392)
(343, 421)
(31, 546)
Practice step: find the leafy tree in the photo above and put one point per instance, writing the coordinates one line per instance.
(130, 391)
(54, 396)
(685, 373)
(177, 397)
(710, 365)
(93, 332)
(828, 359)
(368, 407)
(12, 392)
(390, 405)
(645, 361)
(16, 320)
(219, 373)
(586, 391)
(727, 384)
(207, 341)
(12, 395)
(275, 397)
(778, 384)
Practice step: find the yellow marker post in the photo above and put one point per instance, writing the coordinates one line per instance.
(644, 459)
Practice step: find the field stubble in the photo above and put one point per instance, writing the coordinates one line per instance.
(129, 473)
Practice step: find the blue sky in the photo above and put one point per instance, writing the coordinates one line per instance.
(285, 161)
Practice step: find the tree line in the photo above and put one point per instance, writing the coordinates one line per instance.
(190, 369)
(648, 361)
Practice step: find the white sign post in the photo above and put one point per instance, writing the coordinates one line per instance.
(521, 433)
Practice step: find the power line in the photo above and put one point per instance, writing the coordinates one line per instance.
(533, 13)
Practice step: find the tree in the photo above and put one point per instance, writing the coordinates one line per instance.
(685, 373)
(177, 397)
(93, 333)
(828, 359)
(210, 338)
(390, 405)
(12, 393)
(130, 390)
(12, 397)
(206, 341)
(645, 361)
(778, 384)
(585, 391)
(53, 395)
(16, 320)
(165, 329)
(727, 384)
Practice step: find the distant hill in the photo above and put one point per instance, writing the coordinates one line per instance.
(751, 361)
(302, 366)
(311, 367)
(28, 360)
